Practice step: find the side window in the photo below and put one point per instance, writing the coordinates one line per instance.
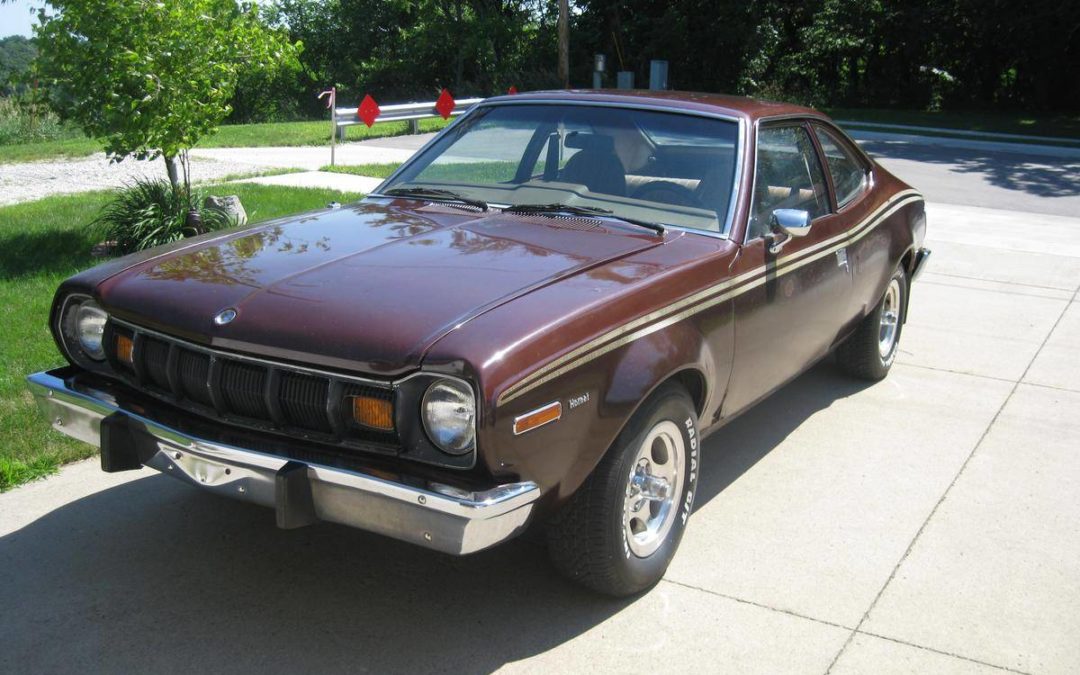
(848, 174)
(789, 176)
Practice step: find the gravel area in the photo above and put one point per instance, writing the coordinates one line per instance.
(27, 181)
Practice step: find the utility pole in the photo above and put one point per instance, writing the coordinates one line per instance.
(564, 43)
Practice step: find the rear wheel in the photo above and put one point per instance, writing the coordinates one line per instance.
(870, 351)
(619, 532)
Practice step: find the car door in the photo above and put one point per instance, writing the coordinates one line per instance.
(792, 294)
(850, 177)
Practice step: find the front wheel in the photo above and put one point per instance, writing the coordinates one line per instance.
(620, 530)
(870, 351)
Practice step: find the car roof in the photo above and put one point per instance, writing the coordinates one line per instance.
(735, 106)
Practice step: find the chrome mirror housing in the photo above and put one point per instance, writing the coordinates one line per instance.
(792, 222)
(786, 225)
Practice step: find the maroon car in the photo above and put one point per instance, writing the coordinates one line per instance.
(534, 320)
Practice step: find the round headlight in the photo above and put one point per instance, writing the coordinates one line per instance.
(449, 413)
(90, 329)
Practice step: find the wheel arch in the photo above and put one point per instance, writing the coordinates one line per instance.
(678, 355)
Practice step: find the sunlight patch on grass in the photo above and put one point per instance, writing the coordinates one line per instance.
(41, 243)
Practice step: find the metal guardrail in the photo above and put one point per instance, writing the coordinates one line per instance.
(402, 112)
(340, 118)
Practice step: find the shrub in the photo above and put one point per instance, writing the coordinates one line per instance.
(149, 213)
(22, 121)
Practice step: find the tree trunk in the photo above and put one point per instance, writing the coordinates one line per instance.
(564, 43)
(174, 171)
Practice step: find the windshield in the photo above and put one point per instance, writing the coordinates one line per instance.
(657, 167)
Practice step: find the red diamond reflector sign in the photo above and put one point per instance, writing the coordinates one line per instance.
(445, 105)
(368, 111)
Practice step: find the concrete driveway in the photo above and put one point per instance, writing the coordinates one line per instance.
(928, 523)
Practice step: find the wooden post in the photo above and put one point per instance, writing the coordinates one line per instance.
(564, 43)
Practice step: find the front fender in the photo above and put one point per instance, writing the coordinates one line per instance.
(606, 392)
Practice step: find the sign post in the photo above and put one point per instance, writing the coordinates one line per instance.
(332, 104)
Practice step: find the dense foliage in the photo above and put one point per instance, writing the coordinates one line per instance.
(910, 53)
(924, 54)
(192, 63)
(16, 55)
(411, 49)
(151, 78)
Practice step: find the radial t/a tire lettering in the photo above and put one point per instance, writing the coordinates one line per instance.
(620, 530)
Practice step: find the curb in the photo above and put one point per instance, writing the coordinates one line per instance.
(966, 143)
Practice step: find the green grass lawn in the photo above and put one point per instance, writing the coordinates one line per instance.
(289, 134)
(463, 172)
(41, 243)
(370, 170)
(1064, 126)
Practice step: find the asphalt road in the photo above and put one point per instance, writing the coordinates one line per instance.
(927, 523)
(1014, 180)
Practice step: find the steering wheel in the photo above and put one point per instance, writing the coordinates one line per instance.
(666, 192)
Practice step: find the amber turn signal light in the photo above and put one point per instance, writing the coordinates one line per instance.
(125, 350)
(373, 413)
(537, 418)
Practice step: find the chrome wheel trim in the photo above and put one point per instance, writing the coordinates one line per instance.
(652, 486)
(890, 320)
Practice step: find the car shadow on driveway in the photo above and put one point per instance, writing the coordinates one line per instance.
(154, 576)
(1029, 173)
(736, 447)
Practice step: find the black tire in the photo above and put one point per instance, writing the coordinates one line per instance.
(860, 355)
(586, 538)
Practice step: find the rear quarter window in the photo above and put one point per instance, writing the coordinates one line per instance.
(849, 174)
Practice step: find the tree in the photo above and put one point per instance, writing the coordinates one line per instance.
(16, 54)
(152, 78)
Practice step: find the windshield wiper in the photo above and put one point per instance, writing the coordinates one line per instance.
(582, 211)
(436, 193)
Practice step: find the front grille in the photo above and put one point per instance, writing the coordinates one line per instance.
(193, 369)
(303, 401)
(243, 387)
(249, 392)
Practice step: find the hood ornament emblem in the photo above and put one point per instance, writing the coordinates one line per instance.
(225, 316)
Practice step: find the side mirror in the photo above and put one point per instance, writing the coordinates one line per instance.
(788, 224)
(792, 222)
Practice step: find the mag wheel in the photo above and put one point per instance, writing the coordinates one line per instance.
(620, 530)
(655, 478)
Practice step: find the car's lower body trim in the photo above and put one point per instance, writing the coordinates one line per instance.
(299, 492)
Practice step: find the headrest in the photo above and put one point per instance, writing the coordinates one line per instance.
(595, 142)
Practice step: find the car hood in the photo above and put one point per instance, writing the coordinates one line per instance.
(367, 287)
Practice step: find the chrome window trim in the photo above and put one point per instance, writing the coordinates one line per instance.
(736, 178)
(845, 144)
(799, 120)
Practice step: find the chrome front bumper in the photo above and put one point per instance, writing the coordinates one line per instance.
(299, 492)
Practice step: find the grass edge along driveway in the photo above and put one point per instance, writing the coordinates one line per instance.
(41, 243)
(269, 134)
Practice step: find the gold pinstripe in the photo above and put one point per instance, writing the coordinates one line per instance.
(702, 300)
